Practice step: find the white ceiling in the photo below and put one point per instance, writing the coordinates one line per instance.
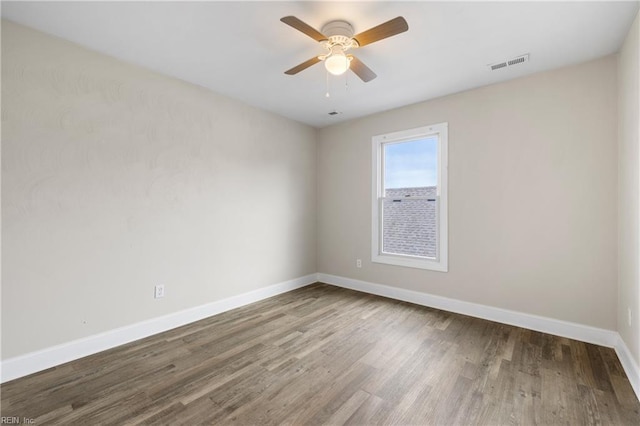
(241, 49)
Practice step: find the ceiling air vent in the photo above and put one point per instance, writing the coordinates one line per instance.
(498, 66)
(510, 62)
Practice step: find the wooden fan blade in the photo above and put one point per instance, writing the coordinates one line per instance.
(303, 27)
(361, 70)
(388, 29)
(303, 66)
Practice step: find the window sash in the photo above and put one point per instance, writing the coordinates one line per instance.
(381, 246)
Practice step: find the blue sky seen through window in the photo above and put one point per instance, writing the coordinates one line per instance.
(411, 164)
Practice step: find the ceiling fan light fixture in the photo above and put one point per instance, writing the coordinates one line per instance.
(337, 63)
(337, 38)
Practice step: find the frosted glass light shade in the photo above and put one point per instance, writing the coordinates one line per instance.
(337, 63)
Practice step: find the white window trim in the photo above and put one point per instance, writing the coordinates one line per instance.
(441, 262)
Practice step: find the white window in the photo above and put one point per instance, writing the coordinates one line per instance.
(409, 226)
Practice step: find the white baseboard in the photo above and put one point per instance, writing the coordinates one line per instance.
(33, 362)
(571, 330)
(630, 366)
(583, 333)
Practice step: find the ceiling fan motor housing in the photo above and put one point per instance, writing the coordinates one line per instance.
(339, 33)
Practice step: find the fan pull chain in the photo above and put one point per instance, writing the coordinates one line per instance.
(327, 85)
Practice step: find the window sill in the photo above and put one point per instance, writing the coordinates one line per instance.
(411, 262)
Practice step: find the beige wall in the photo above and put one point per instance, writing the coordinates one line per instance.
(115, 179)
(532, 195)
(629, 190)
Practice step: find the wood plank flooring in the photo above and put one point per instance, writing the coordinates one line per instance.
(325, 355)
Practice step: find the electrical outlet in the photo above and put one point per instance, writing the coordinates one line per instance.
(358, 263)
(629, 316)
(159, 291)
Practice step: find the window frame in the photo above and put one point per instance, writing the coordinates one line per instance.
(441, 262)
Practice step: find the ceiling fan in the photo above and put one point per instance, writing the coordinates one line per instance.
(337, 37)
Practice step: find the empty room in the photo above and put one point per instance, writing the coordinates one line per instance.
(407, 213)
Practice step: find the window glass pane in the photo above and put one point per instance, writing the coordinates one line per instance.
(409, 226)
(411, 164)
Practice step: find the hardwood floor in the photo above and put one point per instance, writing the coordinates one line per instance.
(325, 355)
